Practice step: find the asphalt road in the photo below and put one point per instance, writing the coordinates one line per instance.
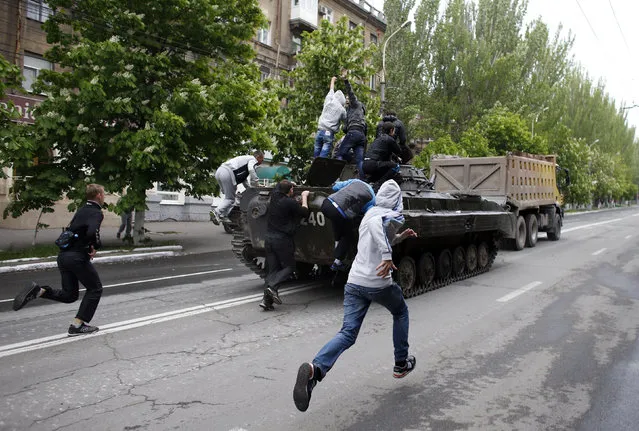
(545, 340)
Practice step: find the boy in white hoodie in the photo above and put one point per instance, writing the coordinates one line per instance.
(368, 280)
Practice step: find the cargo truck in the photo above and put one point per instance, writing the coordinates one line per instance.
(524, 184)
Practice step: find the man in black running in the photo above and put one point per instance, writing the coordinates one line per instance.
(75, 266)
(284, 214)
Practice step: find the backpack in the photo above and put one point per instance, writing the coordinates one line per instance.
(66, 239)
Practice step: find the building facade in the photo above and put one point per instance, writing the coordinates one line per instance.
(23, 42)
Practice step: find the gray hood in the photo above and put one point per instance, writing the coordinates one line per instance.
(389, 206)
(339, 96)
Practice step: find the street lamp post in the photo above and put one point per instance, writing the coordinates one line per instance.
(383, 82)
(532, 126)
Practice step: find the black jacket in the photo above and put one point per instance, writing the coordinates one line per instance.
(383, 148)
(400, 135)
(283, 214)
(86, 223)
(356, 112)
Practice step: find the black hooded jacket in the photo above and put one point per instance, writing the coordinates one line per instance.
(400, 135)
(383, 148)
(283, 214)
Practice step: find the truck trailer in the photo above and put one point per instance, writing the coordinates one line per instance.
(523, 184)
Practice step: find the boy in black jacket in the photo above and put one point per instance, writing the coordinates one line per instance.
(284, 214)
(378, 165)
(75, 266)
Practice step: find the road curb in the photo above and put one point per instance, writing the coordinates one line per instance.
(50, 262)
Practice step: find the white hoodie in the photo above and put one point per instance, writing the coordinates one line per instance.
(376, 235)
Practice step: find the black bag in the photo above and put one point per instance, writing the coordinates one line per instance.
(66, 239)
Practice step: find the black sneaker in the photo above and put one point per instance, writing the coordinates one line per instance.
(266, 305)
(304, 386)
(274, 295)
(399, 372)
(27, 294)
(82, 330)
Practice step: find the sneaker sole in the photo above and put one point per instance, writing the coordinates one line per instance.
(21, 300)
(82, 333)
(300, 395)
(266, 307)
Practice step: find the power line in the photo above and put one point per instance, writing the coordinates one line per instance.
(587, 20)
(618, 26)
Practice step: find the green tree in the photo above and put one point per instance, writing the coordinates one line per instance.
(443, 146)
(325, 52)
(146, 92)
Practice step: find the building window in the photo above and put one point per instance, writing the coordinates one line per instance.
(296, 44)
(373, 39)
(326, 13)
(264, 34)
(351, 25)
(38, 10)
(265, 72)
(32, 68)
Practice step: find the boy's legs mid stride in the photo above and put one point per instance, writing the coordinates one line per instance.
(357, 300)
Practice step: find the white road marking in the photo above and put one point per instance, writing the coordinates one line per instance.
(628, 236)
(518, 292)
(591, 224)
(599, 251)
(151, 280)
(56, 340)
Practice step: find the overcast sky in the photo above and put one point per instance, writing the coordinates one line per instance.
(606, 47)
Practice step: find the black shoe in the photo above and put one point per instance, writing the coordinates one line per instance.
(266, 305)
(117, 235)
(274, 295)
(82, 330)
(399, 372)
(27, 294)
(304, 386)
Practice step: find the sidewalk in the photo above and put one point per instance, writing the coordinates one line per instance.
(187, 237)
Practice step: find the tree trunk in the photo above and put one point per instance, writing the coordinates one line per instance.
(139, 236)
(37, 228)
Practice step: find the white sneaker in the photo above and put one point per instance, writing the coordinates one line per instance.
(215, 217)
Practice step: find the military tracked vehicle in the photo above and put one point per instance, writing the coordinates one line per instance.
(457, 234)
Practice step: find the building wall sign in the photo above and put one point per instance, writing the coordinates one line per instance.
(24, 105)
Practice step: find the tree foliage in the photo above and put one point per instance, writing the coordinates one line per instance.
(479, 75)
(146, 92)
(325, 52)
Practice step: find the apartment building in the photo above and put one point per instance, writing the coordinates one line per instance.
(277, 43)
(23, 42)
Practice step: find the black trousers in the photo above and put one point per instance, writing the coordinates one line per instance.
(379, 172)
(280, 259)
(343, 229)
(76, 267)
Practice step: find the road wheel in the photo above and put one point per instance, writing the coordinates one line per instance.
(459, 261)
(532, 230)
(555, 233)
(482, 255)
(426, 268)
(444, 264)
(520, 233)
(471, 257)
(407, 275)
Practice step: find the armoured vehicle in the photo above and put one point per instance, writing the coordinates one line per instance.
(457, 234)
(524, 184)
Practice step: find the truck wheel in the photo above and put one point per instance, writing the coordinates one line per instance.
(459, 260)
(555, 233)
(482, 255)
(532, 230)
(444, 264)
(520, 233)
(471, 257)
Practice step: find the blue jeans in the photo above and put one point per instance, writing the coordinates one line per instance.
(357, 299)
(357, 141)
(323, 143)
